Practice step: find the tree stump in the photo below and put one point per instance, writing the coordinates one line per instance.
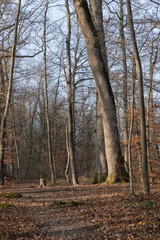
(42, 182)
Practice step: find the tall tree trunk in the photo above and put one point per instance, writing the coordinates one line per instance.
(146, 188)
(116, 170)
(11, 157)
(16, 144)
(8, 97)
(42, 132)
(69, 102)
(97, 16)
(131, 131)
(150, 110)
(2, 90)
(31, 128)
(68, 156)
(52, 169)
(55, 116)
(123, 47)
(101, 160)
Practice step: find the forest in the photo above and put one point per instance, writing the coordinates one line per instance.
(80, 110)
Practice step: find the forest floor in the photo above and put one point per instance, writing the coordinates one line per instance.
(81, 212)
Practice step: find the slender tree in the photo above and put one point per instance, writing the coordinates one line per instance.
(146, 188)
(8, 97)
(124, 59)
(69, 102)
(131, 131)
(52, 169)
(16, 144)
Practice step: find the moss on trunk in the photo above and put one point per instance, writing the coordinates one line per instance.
(120, 174)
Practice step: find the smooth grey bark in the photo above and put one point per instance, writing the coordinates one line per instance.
(69, 102)
(16, 144)
(68, 156)
(73, 93)
(8, 97)
(101, 161)
(116, 170)
(51, 162)
(124, 59)
(131, 131)
(97, 16)
(42, 130)
(146, 187)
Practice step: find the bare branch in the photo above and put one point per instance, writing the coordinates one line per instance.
(155, 2)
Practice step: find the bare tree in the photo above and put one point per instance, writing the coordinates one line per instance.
(16, 144)
(146, 188)
(124, 59)
(116, 170)
(8, 97)
(69, 102)
(101, 161)
(131, 130)
(52, 169)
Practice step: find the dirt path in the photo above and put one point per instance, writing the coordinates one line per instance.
(82, 212)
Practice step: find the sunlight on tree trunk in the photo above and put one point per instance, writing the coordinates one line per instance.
(52, 169)
(131, 131)
(69, 102)
(146, 188)
(101, 161)
(124, 59)
(116, 170)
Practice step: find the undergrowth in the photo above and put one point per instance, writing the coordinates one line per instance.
(11, 195)
(6, 205)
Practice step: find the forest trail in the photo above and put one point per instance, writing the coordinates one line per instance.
(83, 212)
